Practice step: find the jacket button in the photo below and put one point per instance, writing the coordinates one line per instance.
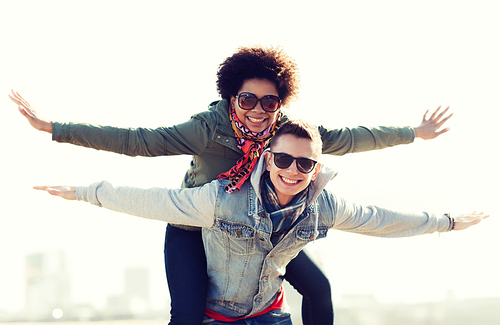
(264, 278)
(238, 232)
(311, 237)
(218, 137)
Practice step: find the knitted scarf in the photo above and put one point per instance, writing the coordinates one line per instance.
(252, 144)
(283, 218)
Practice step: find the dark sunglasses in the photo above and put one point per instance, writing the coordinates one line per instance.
(283, 161)
(248, 101)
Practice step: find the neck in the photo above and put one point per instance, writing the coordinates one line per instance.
(284, 199)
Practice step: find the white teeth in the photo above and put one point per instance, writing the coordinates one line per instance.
(288, 181)
(255, 120)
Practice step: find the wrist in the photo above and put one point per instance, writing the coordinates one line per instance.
(417, 132)
(452, 222)
(47, 127)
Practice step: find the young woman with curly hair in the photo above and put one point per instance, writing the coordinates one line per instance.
(225, 142)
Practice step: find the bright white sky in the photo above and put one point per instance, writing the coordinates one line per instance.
(153, 63)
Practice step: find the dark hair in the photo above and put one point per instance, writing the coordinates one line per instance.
(259, 62)
(300, 129)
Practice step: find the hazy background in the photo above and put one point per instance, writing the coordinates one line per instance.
(153, 63)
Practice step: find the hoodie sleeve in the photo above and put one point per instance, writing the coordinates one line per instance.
(376, 221)
(187, 206)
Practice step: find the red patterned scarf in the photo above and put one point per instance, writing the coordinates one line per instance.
(252, 144)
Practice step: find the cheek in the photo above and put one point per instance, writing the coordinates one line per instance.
(239, 113)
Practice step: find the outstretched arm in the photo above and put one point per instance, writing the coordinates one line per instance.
(187, 206)
(189, 138)
(381, 222)
(361, 139)
(430, 128)
(31, 115)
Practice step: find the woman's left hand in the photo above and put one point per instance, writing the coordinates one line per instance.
(66, 192)
(430, 127)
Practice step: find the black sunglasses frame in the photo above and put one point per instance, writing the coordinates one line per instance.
(238, 97)
(298, 162)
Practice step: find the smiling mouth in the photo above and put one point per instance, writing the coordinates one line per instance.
(289, 181)
(256, 120)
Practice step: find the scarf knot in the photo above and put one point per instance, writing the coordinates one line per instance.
(252, 144)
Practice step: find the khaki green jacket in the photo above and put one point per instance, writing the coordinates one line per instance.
(209, 138)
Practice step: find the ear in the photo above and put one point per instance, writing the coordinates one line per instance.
(317, 168)
(268, 157)
(231, 102)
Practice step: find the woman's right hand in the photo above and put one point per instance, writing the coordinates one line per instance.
(31, 115)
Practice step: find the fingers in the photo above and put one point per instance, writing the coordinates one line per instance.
(438, 119)
(49, 189)
(424, 119)
(442, 131)
(15, 100)
(23, 100)
(443, 112)
(435, 112)
(445, 119)
(66, 192)
(18, 99)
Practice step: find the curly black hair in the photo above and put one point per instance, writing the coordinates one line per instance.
(258, 62)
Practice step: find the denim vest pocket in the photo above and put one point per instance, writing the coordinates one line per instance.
(307, 234)
(239, 236)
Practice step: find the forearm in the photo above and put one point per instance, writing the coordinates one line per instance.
(188, 138)
(194, 207)
(381, 222)
(360, 139)
(93, 136)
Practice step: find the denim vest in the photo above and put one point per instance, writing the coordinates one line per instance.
(245, 270)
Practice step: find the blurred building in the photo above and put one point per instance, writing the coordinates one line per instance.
(47, 285)
(135, 299)
(137, 288)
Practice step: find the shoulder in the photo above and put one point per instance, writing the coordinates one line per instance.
(217, 112)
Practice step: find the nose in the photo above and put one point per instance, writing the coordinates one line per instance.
(292, 169)
(258, 107)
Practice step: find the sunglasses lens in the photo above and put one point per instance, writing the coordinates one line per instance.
(282, 160)
(270, 103)
(305, 165)
(247, 101)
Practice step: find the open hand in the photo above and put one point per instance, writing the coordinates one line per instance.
(430, 128)
(66, 192)
(464, 221)
(31, 115)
